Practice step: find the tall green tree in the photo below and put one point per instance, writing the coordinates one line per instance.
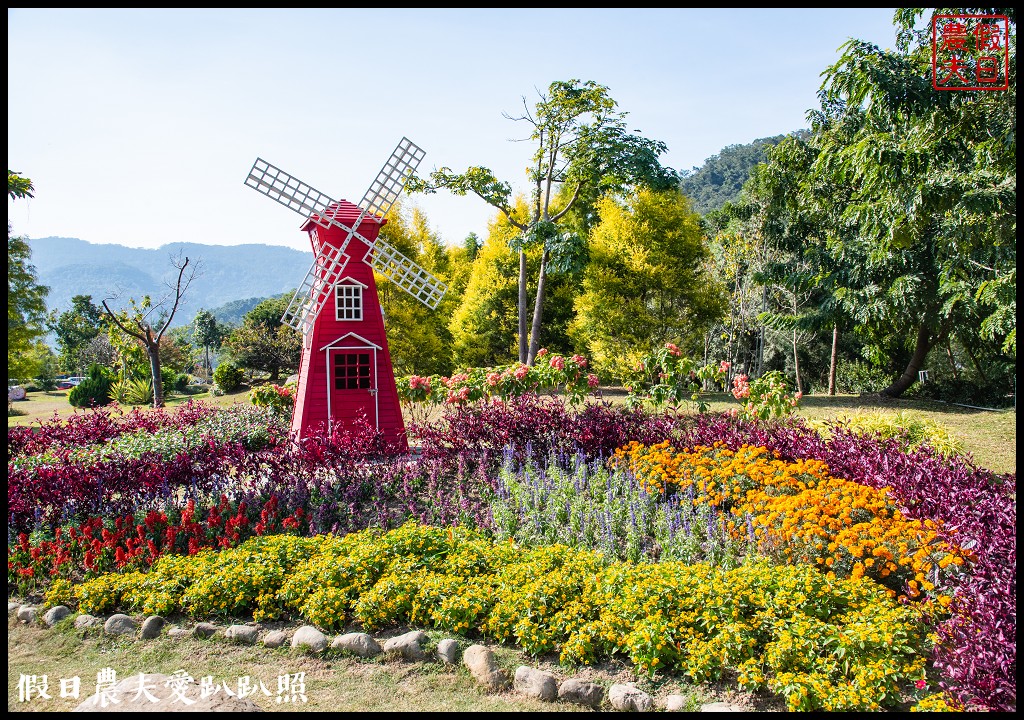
(207, 333)
(418, 337)
(483, 325)
(583, 151)
(263, 343)
(926, 202)
(45, 365)
(74, 329)
(795, 219)
(647, 282)
(26, 298)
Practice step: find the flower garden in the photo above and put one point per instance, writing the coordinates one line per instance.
(836, 570)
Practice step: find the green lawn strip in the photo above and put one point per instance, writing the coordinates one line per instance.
(333, 682)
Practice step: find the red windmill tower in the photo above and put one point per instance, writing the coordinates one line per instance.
(345, 372)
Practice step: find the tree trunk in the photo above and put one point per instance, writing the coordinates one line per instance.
(154, 368)
(834, 362)
(759, 367)
(522, 306)
(974, 361)
(796, 365)
(909, 376)
(952, 363)
(538, 310)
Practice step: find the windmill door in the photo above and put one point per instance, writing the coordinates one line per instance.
(352, 388)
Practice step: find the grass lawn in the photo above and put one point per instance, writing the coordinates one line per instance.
(332, 682)
(990, 436)
(40, 406)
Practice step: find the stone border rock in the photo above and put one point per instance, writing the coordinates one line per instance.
(479, 660)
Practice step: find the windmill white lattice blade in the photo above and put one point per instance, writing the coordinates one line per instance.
(391, 179)
(297, 195)
(389, 183)
(315, 289)
(405, 273)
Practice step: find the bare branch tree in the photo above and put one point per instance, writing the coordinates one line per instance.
(139, 324)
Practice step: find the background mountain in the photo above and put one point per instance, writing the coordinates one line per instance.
(232, 279)
(721, 177)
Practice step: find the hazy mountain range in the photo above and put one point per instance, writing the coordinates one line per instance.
(232, 279)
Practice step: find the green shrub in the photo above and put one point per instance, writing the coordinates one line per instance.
(911, 428)
(228, 376)
(94, 390)
(168, 378)
(139, 391)
(861, 377)
(279, 399)
(43, 383)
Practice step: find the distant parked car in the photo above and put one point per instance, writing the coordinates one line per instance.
(68, 383)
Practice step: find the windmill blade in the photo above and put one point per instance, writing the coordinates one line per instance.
(391, 180)
(389, 183)
(385, 259)
(315, 289)
(304, 199)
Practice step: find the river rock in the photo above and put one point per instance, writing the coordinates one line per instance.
(119, 624)
(483, 666)
(629, 698)
(407, 645)
(448, 651)
(357, 643)
(309, 637)
(152, 626)
(245, 634)
(55, 614)
(87, 621)
(275, 638)
(535, 683)
(581, 692)
(204, 630)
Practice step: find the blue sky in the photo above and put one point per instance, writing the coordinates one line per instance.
(138, 126)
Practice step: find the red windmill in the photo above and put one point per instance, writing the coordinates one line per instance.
(345, 372)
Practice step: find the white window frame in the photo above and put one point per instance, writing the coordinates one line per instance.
(345, 291)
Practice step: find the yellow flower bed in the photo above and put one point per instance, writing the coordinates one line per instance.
(817, 640)
(798, 512)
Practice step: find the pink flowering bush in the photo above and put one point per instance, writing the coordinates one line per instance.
(766, 398)
(550, 372)
(280, 399)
